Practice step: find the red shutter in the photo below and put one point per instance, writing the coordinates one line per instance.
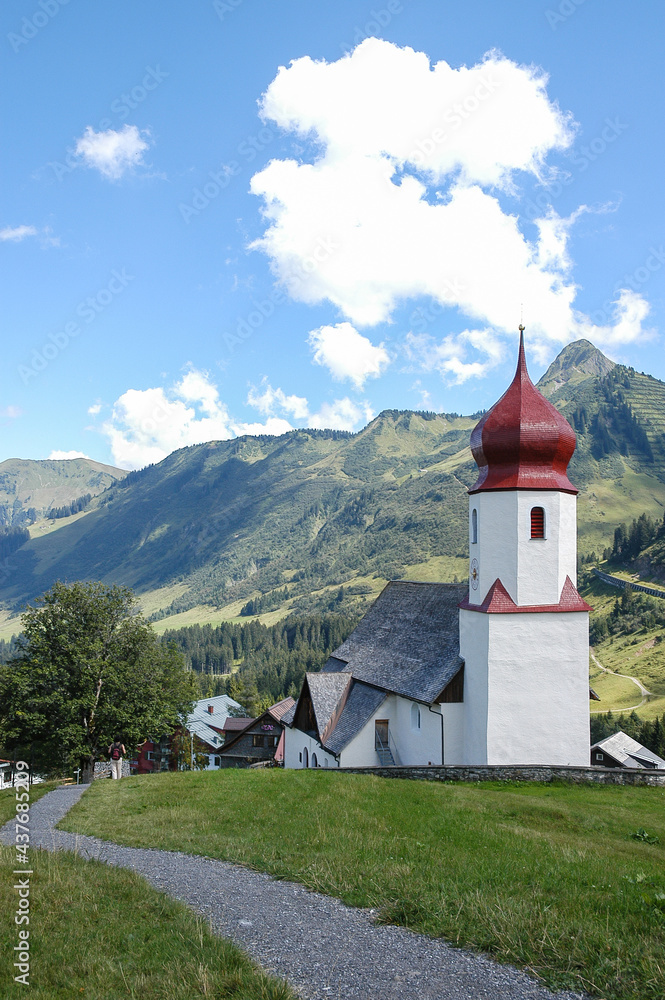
(537, 522)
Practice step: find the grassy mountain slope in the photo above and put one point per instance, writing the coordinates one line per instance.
(293, 518)
(38, 486)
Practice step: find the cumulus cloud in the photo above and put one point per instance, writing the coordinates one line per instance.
(402, 188)
(113, 152)
(16, 233)
(450, 356)
(146, 425)
(341, 415)
(628, 311)
(268, 400)
(68, 454)
(95, 409)
(347, 354)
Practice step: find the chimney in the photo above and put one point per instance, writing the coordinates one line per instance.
(211, 709)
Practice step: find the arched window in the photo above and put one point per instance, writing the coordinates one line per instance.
(305, 758)
(474, 526)
(415, 717)
(315, 762)
(537, 522)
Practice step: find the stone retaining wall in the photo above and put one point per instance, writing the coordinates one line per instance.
(518, 772)
(103, 769)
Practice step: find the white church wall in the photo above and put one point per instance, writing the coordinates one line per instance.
(360, 751)
(295, 745)
(544, 563)
(453, 732)
(533, 570)
(538, 690)
(474, 646)
(417, 733)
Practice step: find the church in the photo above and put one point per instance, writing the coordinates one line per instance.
(492, 673)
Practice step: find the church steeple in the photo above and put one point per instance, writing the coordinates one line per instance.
(522, 442)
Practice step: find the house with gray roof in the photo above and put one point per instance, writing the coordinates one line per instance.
(383, 696)
(620, 750)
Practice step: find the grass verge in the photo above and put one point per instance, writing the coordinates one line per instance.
(544, 876)
(8, 798)
(103, 933)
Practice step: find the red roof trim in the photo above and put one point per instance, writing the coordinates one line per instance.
(499, 602)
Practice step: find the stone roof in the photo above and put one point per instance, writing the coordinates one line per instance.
(361, 703)
(326, 691)
(407, 643)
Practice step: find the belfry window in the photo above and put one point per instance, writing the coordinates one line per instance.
(474, 526)
(537, 522)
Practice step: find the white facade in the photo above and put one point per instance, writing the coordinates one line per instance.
(416, 735)
(526, 682)
(533, 570)
(526, 688)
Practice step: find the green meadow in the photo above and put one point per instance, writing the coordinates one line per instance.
(553, 878)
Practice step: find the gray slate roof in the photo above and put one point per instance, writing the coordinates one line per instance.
(408, 642)
(628, 752)
(326, 691)
(362, 702)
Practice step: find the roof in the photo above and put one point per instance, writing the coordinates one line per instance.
(523, 442)
(221, 705)
(235, 725)
(628, 752)
(499, 602)
(278, 710)
(407, 643)
(204, 732)
(361, 704)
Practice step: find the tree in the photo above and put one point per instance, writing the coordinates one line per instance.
(89, 668)
(188, 752)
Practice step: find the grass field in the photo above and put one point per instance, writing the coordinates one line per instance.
(103, 933)
(8, 798)
(546, 877)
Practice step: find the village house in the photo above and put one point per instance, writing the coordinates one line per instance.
(260, 741)
(209, 721)
(620, 750)
(495, 672)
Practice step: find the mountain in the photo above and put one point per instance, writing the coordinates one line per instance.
(279, 523)
(30, 489)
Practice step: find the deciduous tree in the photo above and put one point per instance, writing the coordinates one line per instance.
(89, 667)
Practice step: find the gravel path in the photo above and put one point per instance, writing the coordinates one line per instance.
(323, 948)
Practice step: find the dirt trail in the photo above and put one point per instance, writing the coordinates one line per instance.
(646, 694)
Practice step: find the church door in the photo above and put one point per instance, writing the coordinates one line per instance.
(380, 732)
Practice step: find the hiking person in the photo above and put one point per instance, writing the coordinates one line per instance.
(116, 753)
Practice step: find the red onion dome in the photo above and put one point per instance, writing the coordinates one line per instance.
(523, 442)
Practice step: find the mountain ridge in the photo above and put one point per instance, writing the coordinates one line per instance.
(303, 514)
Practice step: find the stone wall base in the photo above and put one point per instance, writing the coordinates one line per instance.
(518, 772)
(103, 769)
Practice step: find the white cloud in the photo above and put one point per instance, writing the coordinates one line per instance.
(400, 199)
(268, 400)
(16, 233)
(629, 311)
(273, 425)
(113, 152)
(341, 415)
(347, 354)
(68, 454)
(95, 409)
(449, 356)
(146, 425)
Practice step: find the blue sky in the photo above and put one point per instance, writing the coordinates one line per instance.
(197, 244)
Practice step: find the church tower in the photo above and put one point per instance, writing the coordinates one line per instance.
(524, 629)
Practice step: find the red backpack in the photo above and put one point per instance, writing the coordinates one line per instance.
(116, 752)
